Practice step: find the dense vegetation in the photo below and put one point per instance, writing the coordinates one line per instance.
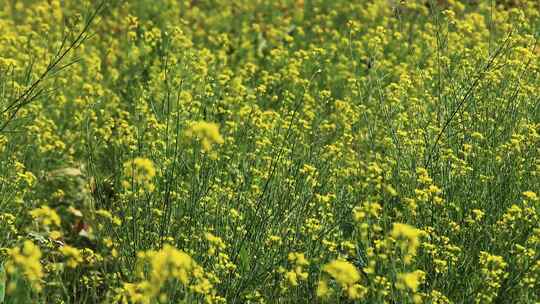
(252, 151)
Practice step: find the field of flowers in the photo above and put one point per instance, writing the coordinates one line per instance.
(257, 151)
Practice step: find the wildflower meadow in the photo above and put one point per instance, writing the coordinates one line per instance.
(269, 151)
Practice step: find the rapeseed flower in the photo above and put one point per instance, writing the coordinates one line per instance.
(410, 280)
(343, 272)
(74, 256)
(25, 260)
(46, 216)
(206, 132)
(419, 112)
(408, 239)
(139, 172)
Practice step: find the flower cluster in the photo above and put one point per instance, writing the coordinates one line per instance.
(139, 172)
(269, 151)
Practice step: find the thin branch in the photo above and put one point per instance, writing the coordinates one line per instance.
(28, 96)
(465, 97)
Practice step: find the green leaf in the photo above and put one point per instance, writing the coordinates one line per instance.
(244, 259)
(3, 280)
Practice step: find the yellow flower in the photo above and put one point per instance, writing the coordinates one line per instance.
(73, 254)
(171, 262)
(28, 177)
(530, 195)
(216, 243)
(322, 289)
(139, 171)
(357, 292)
(298, 258)
(404, 230)
(141, 168)
(411, 237)
(26, 261)
(297, 273)
(55, 234)
(410, 280)
(46, 216)
(167, 264)
(343, 272)
(206, 132)
(292, 278)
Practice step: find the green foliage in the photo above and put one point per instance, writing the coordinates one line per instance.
(3, 280)
(285, 151)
